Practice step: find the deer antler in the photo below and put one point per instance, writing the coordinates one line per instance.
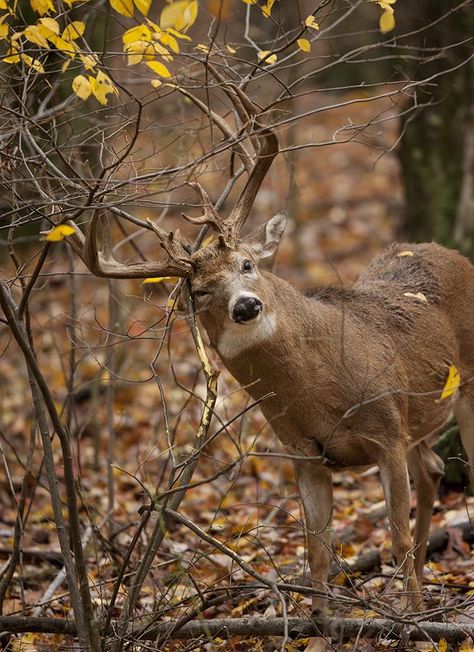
(102, 263)
(266, 148)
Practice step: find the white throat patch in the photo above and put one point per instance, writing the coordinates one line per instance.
(236, 338)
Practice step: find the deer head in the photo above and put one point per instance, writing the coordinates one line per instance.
(224, 276)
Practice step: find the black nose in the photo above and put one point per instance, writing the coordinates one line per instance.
(246, 308)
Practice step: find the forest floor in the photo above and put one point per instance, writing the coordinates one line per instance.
(348, 206)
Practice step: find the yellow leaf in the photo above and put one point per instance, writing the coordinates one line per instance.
(159, 68)
(123, 7)
(143, 6)
(201, 46)
(174, 32)
(156, 83)
(82, 87)
(304, 44)
(387, 22)
(180, 15)
(102, 86)
(3, 4)
(156, 48)
(419, 296)
(88, 61)
(74, 30)
(58, 233)
(405, 253)
(170, 41)
(263, 54)
(442, 645)
(32, 63)
(51, 25)
(135, 52)
(68, 47)
(452, 383)
(42, 6)
(12, 56)
(267, 8)
(311, 22)
(158, 279)
(3, 30)
(230, 49)
(33, 34)
(138, 33)
(250, 2)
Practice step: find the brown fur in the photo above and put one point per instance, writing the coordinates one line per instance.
(356, 375)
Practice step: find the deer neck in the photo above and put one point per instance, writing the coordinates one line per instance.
(270, 348)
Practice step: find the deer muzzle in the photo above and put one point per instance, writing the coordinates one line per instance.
(246, 308)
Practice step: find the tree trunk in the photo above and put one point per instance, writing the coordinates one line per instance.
(436, 148)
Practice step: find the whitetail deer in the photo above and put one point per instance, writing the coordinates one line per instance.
(355, 374)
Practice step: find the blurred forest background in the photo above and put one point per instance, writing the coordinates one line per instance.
(101, 388)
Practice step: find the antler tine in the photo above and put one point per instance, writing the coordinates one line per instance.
(266, 148)
(210, 215)
(177, 250)
(267, 152)
(102, 263)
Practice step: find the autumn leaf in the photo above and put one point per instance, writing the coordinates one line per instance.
(267, 56)
(74, 30)
(159, 68)
(179, 15)
(304, 44)
(81, 87)
(138, 33)
(58, 232)
(51, 24)
(158, 279)
(267, 8)
(143, 6)
(123, 7)
(34, 34)
(42, 7)
(102, 86)
(32, 63)
(311, 22)
(3, 28)
(452, 383)
(418, 295)
(387, 22)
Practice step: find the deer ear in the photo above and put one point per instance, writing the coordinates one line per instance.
(266, 239)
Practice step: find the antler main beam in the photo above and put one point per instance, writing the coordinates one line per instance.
(102, 263)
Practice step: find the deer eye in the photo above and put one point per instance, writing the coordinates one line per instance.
(247, 266)
(201, 293)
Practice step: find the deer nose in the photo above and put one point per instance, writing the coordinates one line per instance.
(246, 308)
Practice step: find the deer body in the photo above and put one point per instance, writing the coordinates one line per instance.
(355, 377)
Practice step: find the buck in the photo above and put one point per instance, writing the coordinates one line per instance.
(355, 375)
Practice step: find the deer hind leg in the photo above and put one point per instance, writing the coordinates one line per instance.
(315, 487)
(396, 486)
(464, 413)
(426, 469)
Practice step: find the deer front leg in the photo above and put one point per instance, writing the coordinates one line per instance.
(315, 487)
(396, 487)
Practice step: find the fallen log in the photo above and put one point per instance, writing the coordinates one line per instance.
(340, 629)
